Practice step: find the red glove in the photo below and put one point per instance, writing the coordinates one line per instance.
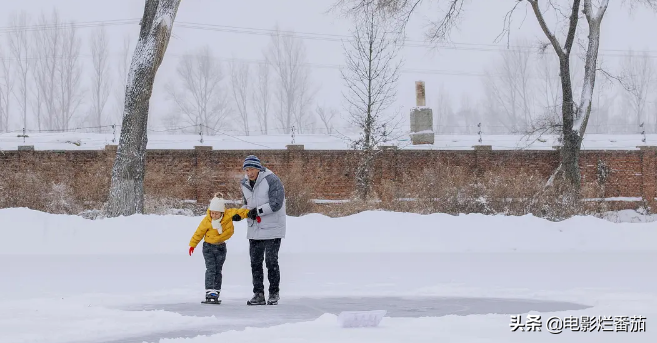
(191, 250)
(258, 219)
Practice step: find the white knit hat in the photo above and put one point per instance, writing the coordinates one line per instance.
(217, 204)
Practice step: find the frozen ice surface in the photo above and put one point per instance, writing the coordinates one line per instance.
(306, 309)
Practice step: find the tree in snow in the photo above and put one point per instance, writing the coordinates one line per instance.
(509, 90)
(101, 78)
(68, 71)
(327, 116)
(126, 194)
(56, 71)
(303, 114)
(48, 49)
(6, 89)
(575, 114)
(239, 79)
(443, 118)
(637, 78)
(19, 45)
(122, 77)
(371, 75)
(262, 97)
(197, 93)
(287, 56)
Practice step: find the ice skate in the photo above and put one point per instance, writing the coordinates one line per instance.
(212, 297)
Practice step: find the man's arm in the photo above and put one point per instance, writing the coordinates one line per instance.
(276, 196)
(237, 214)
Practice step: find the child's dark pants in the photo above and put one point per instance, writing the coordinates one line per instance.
(215, 256)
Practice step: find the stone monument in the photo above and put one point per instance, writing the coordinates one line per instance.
(421, 118)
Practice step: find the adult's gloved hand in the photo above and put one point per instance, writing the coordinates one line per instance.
(253, 213)
(237, 218)
(191, 250)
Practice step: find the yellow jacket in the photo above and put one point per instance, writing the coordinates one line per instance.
(212, 235)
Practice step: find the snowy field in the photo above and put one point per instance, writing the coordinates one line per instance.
(441, 278)
(95, 141)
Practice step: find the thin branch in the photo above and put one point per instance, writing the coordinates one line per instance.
(506, 28)
(546, 30)
(443, 27)
(574, 19)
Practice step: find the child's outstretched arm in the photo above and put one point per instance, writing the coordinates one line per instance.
(237, 214)
(203, 227)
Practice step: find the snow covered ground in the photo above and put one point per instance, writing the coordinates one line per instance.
(441, 278)
(95, 141)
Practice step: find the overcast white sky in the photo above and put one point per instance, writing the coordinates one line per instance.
(457, 69)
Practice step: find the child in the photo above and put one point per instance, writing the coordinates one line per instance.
(215, 228)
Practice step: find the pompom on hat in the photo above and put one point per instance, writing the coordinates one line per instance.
(217, 204)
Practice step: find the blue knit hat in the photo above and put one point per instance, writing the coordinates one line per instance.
(252, 162)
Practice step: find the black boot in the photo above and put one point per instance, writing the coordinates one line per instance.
(273, 299)
(258, 299)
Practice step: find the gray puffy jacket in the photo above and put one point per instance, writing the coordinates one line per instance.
(268, 196)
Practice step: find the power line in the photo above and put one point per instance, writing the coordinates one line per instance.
(459, 46)
(313, 66)
(261, 61)
(66, 25)
(407, 43)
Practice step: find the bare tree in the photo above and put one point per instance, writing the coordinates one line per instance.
(549, 118)
(262, 97)
(122, 77)
(69, 71)
(575, 114)
(303, 116)
(466, 116)
(509, 90)
(19, 45)
(444, 118)
(601, 110)
(547, 70)
(4, 115)
(48, 50)
(200, 100)
(126, 194)
(6, 90)
(36, 102)
(653, 110)
(101, 78)
(327, 116)
(287, 56)
(637, 78)
(239, 79)
(371, 75)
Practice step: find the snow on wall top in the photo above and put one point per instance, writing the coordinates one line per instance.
(96, 141)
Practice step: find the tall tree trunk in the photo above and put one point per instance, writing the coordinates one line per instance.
(571, 140)
(576, 117)
(126, 195)
(569, 165)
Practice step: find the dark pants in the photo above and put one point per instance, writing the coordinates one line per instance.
(267, 250)
(215, 256)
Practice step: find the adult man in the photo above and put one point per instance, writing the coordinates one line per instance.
(264, 194)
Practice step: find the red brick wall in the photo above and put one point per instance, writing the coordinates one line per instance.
(197, 174)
